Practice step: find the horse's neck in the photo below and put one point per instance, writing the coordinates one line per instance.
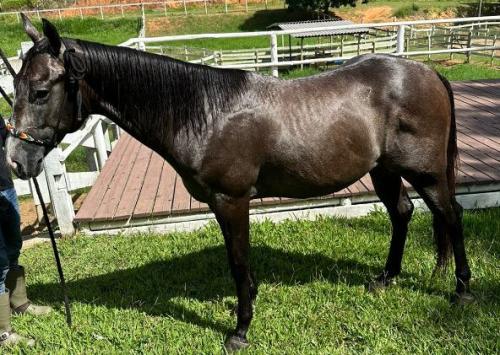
(155, 97)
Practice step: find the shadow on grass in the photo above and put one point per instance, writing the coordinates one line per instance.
(161, 288)
(204, 276)
(260, 20)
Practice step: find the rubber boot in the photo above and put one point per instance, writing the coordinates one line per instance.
(19, 301)
(7, 336)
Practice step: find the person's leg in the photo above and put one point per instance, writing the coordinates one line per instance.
(12, 226)
(15, 280)
(7, 335)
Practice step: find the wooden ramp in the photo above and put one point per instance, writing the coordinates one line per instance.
(137, 187)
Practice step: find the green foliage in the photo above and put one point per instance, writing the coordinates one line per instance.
(406, 11)
(318, 5)
(11, 5)
(174, 293)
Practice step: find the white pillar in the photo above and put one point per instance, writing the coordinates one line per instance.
(55, 173)
(100, 144)
(274, 53)
(400, 44)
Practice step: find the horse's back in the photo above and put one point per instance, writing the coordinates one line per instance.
(332, 128)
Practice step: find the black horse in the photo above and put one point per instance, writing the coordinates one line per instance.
(234, 135)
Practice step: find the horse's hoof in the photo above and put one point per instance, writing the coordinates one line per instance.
(380, 283)
(462, 299)
(235, 343)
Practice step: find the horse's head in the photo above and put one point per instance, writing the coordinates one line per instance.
(47, 102)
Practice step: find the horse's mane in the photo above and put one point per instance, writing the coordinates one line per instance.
(148, 89)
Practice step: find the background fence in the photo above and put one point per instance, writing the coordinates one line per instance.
(408, 39)
(159, 8)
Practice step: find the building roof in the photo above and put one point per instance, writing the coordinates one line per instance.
(305, 25)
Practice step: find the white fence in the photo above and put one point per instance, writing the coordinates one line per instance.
(166, 8)
(400, 28)
(56, 183)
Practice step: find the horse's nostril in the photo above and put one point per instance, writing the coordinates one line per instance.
(18, 169)
(39, 165)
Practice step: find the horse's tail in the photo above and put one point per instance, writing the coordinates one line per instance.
(443, 240)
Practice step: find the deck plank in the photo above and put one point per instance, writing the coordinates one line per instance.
(165, 194)
(145, 204)
(135, 184)
(94, 198)
(182, 199)
(112, 197)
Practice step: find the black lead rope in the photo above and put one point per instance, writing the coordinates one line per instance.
(56, 253)
(45, 215)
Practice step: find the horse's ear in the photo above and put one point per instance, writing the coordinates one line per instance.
(30, 30)
(50, 31)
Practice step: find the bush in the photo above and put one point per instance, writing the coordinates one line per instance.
(406, 11)
(318, 5)
(12, 5)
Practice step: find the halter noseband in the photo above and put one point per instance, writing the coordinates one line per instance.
(75, 71)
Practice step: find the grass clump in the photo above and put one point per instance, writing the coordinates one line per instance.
(406, 11)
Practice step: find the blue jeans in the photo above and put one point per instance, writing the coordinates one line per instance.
(10, 233)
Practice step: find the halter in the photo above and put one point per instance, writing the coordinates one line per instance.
(75, 71)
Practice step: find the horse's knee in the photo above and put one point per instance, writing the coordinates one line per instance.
(459, 210)
(407, 209)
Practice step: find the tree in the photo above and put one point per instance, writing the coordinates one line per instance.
(319, 5)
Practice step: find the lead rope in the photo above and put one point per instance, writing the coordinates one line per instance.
(46, 217)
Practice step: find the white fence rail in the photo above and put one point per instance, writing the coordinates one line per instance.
(399, 28)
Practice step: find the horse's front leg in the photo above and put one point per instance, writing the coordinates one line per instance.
(232, 215)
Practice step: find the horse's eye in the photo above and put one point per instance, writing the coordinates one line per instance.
(41, 94)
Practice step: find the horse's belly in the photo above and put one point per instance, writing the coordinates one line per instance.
(309, 180)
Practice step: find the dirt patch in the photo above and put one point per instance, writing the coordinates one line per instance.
(385, 14)
(159, 26)
(372, 14)
(30, 223)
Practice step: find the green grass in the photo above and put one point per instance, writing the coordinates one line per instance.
(257, 21)
(111, 31)
(173, 293)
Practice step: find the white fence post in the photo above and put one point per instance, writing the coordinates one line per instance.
(42, 181)
(274, 53)
(400, 44)
(142, 31)
(100, 144)
(55, 173)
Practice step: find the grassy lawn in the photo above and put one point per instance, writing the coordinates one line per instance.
(173, 293)
(111, 31)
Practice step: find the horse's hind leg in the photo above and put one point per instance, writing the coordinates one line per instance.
(442, 239)
(447, 214)
(391, 191)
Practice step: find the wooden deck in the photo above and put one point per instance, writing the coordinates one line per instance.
(137, 183)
